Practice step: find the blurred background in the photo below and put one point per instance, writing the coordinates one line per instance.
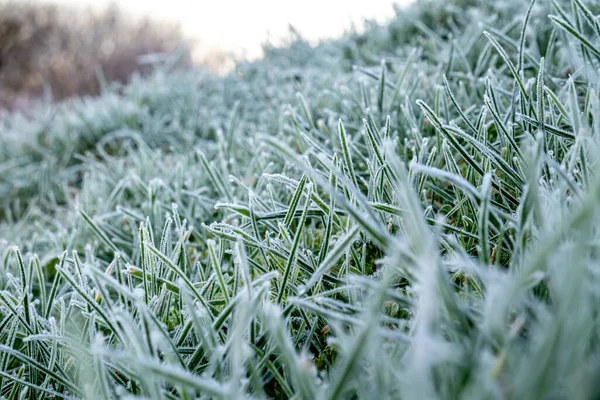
(56, 49)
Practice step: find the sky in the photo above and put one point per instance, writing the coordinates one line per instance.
(240, 27)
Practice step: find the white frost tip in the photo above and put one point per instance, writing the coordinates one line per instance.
(301, 290)
(272, 310)
(138, 293)
(305, 364)
(412, 163)
(98, 342)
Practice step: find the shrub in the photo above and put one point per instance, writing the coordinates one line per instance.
(63, 49)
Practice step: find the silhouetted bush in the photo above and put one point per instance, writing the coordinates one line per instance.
(54, 50)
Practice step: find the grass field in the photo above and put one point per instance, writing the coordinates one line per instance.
(408, 213)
